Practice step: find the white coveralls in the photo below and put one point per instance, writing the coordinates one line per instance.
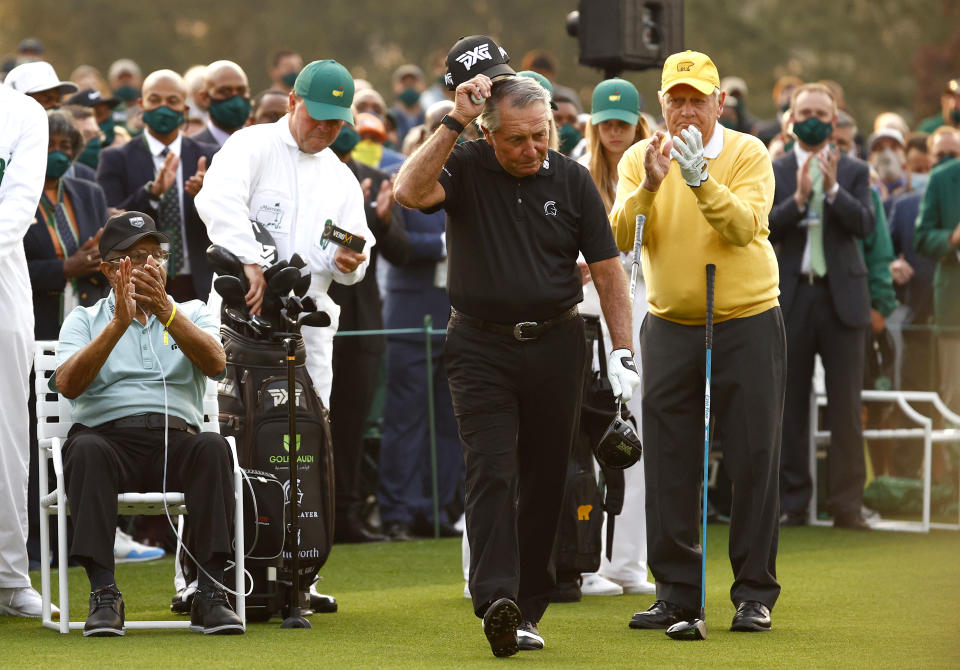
(23, 164)
(260, 175)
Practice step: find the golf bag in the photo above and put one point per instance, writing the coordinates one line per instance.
(253, 408)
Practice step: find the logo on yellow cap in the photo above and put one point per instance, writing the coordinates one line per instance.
(685, 66)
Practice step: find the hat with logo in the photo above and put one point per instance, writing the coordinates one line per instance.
(692, 68)
(473, 55)
(122, 231)
(543, 82)
(327, 89)
(37, 76)
(615, 99)
(88, 97)
(886, 133)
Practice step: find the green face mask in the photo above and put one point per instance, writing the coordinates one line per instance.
(90, 155)
(127, 93)
(290, 78)
(163, 120)
(409, 96)
(231, 113)
(813, 131)
(955, 116)
(569, 138)
(108, 131)
(57, 164)
(346, 140)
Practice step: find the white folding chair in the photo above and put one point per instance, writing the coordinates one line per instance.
(53, 423)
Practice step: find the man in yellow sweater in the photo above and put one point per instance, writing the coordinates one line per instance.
(706, 192)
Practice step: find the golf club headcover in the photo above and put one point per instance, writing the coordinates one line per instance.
(622, 373)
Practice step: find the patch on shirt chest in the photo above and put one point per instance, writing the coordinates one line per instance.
(269, 215)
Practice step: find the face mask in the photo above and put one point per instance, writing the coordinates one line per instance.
(368, 152)
(163, 120)
(409, 96)
(569, 138)
(290, 78)
(813, 131)
(346, 140)
(57, 164)
(108, 130)
(918, 181)
(127, 93)
(888, 165)
(231, 113)
(90, 155)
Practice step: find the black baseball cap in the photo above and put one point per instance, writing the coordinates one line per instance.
(90, 98)
(122, 231)
(476, 54)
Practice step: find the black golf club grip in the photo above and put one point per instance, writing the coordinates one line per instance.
(711, 275)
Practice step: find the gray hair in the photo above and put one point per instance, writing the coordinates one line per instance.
(61, 123)
(520, 92)
(844, 120)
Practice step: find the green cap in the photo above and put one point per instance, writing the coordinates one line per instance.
(615, 99)
(327, 88)
(543, 82)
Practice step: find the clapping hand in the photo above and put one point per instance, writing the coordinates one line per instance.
(688, 152)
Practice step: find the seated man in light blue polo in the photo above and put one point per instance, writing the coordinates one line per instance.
(135, 366)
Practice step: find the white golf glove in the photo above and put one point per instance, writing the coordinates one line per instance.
(688, 152)
(622, 373)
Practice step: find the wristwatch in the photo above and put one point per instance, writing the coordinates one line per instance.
(452, 124)
(149, 189)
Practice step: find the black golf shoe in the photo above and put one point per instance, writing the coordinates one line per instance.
(211, 614)
(751, 617)
(528, 637)
(106, 613)
(662, 614)
(182, 603)
(500, 624)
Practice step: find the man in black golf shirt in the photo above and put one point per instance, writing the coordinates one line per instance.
(517, 216)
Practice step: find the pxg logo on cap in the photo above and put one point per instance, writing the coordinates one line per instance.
(476, 54)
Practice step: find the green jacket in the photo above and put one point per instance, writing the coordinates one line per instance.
(930, 124)
(939, 215)
(877, 253)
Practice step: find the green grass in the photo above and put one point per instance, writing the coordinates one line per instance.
(850, 600)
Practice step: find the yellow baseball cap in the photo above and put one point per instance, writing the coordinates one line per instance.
(692, 68)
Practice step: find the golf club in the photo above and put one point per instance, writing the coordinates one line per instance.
(696, 629)
(302, 285)
(231, 289)
(308, 304)
(637, 244)
(264, 326)
(271, 271)
(240, 321)
(223, 261)
(293, 305)
(290, 325)
(283, 280)
(297, 262)
(314, 319)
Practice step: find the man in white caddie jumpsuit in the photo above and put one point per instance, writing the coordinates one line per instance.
(23, 164)
(281, 176)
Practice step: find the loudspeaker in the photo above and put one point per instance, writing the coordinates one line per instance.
(617, 35)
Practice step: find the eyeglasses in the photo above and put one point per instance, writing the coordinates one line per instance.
(139, 258)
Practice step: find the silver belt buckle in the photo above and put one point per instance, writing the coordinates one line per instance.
(518, 331)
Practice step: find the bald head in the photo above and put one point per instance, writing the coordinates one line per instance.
(223, 69)
(165, 78)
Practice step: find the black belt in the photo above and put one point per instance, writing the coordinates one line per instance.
(524, 331)
(151, 421)
(814, 279)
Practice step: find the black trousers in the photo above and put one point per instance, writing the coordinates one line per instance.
(355, 372)
(517, 405)
(813, 327)
(748, 373)
(99, 463)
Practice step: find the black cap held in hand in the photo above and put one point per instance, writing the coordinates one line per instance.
(124, 230)
(477, 54)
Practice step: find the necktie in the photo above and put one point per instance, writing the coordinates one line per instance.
(68, 239)
(818, 261)
(168, 220)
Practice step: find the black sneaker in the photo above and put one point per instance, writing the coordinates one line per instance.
(528, 637)
(106, 613)
(182, 603)
(500, 624)
(211, 614)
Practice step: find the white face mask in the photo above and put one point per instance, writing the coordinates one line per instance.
(888, 165)
(918, 181)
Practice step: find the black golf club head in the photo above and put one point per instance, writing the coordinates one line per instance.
(302, 285)
(314, 319)
(297, 262)
(290, 325)
(239, 320)
(308, 304)
(231, 289)
(271, 271)
(620, 447)
(694, 629)
(224, 261)
(294, 306)
(261, 324)
(281, 282)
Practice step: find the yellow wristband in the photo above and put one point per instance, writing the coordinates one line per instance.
(172, 314)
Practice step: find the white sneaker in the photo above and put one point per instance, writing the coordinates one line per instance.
(128, 550)
(635, 588)
(595, 585)
(23, 601)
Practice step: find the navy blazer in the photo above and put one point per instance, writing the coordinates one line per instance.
(848, 218)
(124, 171)
(46, 269)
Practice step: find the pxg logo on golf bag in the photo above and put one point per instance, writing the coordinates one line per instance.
(620, 447)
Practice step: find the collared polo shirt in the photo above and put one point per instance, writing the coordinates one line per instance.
(512, 243)
(131, 380)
